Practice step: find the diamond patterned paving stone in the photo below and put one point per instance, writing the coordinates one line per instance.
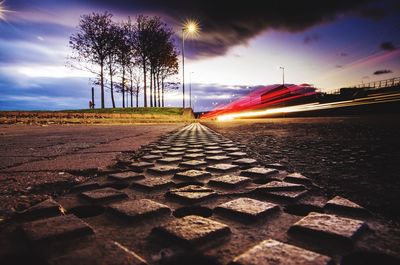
(174, 154)
(218, 159)
(103, 195)
(232, 149)
(247, 208)
(194, 151)
(141, 166)
(193, 230)
(245, 162)
(328, 226)
(228, 145)
(214, 152)
(195, 146)
(340, 203)
(129, 175)
(194, 156)
(179, 145)
(229, 181)
(221, 168)
(150, 158)
(193, 164)
(237, 154)
(192, 174)
(191, 193)
(163, 170)
(152, 183)
(177, 149)
(55, 228)
(287, 195)
(137, 209)
(280, 186)
(258, 172)
(211, 144)
(169, 160)
(276, 166)
(46, 208)
(158, 152)
(105, 252)
(210, 148)
(297, 178)
(277, 253)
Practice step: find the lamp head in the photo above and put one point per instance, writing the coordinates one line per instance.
(191, 28)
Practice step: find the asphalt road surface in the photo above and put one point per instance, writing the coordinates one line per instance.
(355, 157)
(36, 161)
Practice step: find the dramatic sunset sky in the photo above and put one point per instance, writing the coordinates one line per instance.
(241, 46)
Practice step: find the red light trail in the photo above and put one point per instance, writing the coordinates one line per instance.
(268, 96)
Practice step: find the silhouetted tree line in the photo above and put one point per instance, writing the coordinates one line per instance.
(127, 57)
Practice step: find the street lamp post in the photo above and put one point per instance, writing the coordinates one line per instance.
(283, 75)
(190, 28)
(190, 88)
(183, 67)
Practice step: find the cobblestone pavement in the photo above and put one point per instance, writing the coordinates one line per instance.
(194, 197)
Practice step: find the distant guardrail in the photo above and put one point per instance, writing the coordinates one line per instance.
(391, 82)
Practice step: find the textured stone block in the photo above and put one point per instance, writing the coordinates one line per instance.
(229, 181)
(280, 186)
(258, 172)
(277, 253)
(129, 175)
(340, 203)
(217, 159)
(174, 154)
(245, 162)
(193, 230)
(56, 228)
(246, 208)
(141, 166)
(192, 174)
(152, 183)
(194, 156)
(164, 170)
(297, 178)
(329, 226)
(105, 252)
(214, 152)
(150, 158)
(46, 208)
(137, 209)
(237, 154)
(191, 194)
(222, 168)
(104, 195)
(286, 195)
(169, 160)
(193, 164)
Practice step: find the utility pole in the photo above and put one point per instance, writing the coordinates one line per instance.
(93, 96)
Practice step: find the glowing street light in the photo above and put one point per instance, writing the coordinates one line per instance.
(3, 10)
(189, 29)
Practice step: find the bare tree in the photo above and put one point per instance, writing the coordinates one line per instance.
(112, 57)
(139, 40)
(169, 67)
(91, 42)
(124, 55)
